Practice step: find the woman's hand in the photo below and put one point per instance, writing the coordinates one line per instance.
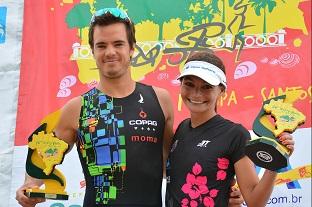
(287, 140)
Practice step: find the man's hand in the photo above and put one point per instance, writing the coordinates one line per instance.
(22, 199)
(236, 198)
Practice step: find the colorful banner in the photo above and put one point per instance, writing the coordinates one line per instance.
(265, 45)
(263, 50)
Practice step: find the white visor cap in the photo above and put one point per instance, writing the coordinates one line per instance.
(206, 71)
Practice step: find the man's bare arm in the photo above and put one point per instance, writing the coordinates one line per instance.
(66, 130)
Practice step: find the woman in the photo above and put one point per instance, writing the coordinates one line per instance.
(208, 150)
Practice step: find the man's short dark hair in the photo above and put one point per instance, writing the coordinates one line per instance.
(108, 19)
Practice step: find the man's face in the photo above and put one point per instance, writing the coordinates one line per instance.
(111, 50)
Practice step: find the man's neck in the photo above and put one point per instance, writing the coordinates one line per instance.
(117, 88)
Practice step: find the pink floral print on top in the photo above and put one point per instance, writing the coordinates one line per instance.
(197, 190)
(195, 185)
(223, 164)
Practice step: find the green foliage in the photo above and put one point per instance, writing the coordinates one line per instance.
(159, 12)
(259, 5)
(262, 4)
(79, 16)
(231, 2)
(138, 10)
(207, 11)
(100, 4)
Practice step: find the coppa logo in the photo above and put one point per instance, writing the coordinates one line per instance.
(140, 122)
(3, 11)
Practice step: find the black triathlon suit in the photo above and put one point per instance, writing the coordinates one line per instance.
(120, 148)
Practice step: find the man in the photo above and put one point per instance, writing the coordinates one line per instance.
(122, 128)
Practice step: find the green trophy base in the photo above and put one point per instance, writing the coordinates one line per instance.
(267, 153)
(52, 196)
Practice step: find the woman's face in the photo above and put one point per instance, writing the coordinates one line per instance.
(198, 95)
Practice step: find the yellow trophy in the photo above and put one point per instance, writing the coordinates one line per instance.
(266, 151)
(45, 151)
